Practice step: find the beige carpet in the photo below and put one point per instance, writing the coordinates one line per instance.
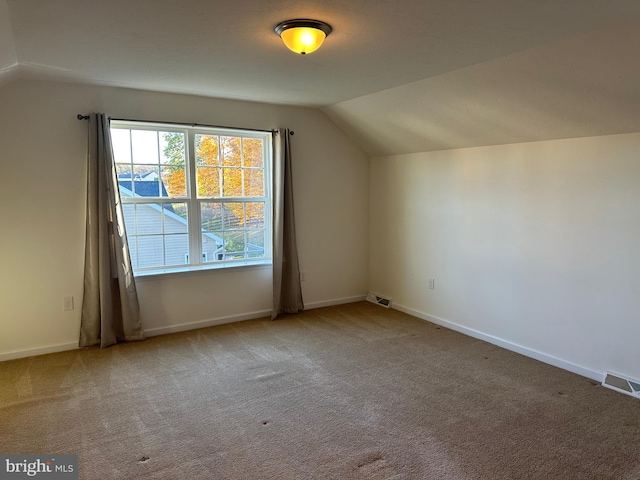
(348, 392)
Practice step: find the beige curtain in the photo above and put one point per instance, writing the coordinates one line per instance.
(110, 311)
(287, 292)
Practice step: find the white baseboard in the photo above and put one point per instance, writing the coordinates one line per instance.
(32, 352)
(212, 322)
(527, 352)
(154, 332)
(337, 301)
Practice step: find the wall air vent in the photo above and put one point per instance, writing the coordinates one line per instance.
(379, 300)
(622, 384)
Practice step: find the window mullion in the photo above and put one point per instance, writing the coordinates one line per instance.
(242, 166)
(268, 207)
(195, 240)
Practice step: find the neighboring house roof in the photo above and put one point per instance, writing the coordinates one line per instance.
(125, 191)
(144, 188)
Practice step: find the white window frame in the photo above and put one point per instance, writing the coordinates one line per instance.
(204, 257)
(193, 202)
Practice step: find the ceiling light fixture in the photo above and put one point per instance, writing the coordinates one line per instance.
(303, 35)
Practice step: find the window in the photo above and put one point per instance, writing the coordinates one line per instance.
(193, 197)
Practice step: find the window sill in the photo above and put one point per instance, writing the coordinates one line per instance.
(160, 274)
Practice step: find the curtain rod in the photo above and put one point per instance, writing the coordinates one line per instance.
(86, 117)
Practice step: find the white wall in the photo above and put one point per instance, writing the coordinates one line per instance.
(42, 194)
(8, 58)
(532, 245)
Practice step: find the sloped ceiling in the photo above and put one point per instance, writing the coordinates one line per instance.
(587, 85)
(397, 76)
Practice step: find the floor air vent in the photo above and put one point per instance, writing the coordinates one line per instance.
(622, 384)
(378, 300)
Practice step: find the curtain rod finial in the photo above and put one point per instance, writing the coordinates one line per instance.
(82, 117)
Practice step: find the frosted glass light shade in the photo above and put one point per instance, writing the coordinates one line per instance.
(303, 39)
(303, 36)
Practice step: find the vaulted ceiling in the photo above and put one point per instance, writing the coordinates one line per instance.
(398, 76)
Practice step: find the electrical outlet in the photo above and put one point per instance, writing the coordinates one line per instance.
(432, 284)
(68, 303)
